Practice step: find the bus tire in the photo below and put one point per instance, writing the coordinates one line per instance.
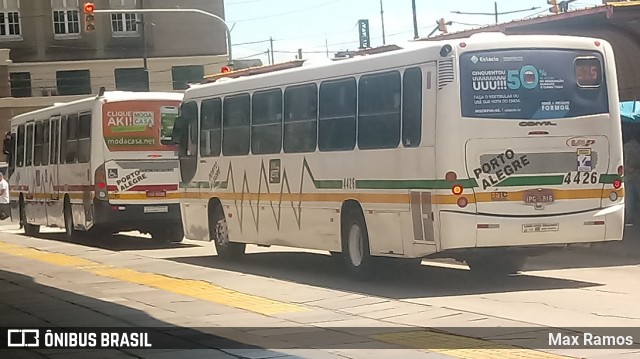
(69, 231)
(219, 234)
(496, 265)
(355, 244)
(29, 229)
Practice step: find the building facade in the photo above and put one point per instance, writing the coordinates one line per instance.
(53, 54)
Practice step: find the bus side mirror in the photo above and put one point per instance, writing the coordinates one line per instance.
(178, 132)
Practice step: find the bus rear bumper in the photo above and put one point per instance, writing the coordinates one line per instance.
(469, 230)
(142, 217)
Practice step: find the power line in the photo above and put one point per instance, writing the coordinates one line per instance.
(286, 13)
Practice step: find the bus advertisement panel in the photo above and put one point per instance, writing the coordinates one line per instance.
(140, 125)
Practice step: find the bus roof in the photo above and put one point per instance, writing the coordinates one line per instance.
(410, 54)
(109, 96)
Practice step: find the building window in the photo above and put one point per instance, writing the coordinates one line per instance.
(20, 84)
(184, 75)
(10, 24)
(125, 24)
(66, 23)
(133, 79)
(76, 82)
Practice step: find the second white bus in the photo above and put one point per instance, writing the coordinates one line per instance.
(101, 164)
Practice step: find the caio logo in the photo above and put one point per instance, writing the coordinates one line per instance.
(580, 142)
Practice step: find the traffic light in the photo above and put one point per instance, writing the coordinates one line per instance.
(555, 7)
(442, 25)
(89, 17)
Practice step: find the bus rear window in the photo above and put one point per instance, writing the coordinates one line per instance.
(532, 84)
(588, 72)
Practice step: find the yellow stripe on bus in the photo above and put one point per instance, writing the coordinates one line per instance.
(389, 198)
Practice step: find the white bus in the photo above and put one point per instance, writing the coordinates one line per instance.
(100, 164)
(486, 149)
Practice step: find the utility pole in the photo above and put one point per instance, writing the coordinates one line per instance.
(326, 44)
(143, 34)
(271, 42)
(495, 12)
(384, 41)
(299, 54)
(415, 21)
(269, 56)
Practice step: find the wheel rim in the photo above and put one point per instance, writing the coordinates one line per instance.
(356, 246)
(222, 233)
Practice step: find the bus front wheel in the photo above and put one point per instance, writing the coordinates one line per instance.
(69, 231)
(219, 234)
(355, 244)
(497, 265)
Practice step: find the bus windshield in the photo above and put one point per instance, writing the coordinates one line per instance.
(532, 84)
(139, 125)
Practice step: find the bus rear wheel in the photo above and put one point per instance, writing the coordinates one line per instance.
(497, 265)
(219, 234)
(29, 229)
(355, 244)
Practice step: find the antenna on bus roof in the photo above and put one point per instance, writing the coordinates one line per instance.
(101, 92)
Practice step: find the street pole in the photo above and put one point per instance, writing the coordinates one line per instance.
(144, 38)
(495, 12)
(173, 11)
(415, 21)
(272, 60)
(384, 41)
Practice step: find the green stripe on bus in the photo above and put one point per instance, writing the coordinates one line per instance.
(532, 181)
(606, 178)
(414, 184)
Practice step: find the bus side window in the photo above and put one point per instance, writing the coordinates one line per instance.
(337, 124)
(38, 143)
(301, 118)
(379, 111)
(29, 146)
(412, 107)
(266, 122)
(63, 139)
(211, 127)
(46, 141)
(20, 146)
(236, 125)
(72, 139)
(55, 137)
(185, 130)
(84, 138)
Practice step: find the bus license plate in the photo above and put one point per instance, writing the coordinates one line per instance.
(538, 196)
(540, 227)
(156, 209)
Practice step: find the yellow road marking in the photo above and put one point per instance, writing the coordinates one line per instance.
(460, 346)
(192, 288)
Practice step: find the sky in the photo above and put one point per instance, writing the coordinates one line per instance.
(316, 26)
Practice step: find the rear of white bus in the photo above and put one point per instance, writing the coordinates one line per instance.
(540, 130)
(137, 184)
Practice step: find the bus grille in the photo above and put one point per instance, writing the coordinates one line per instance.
(445, 73)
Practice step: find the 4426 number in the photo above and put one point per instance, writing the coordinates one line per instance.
(581, 178)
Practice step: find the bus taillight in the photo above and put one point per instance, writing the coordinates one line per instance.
(457, 189)
(451, 176)
(617, 184)
(101, 184)
(463, 202)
